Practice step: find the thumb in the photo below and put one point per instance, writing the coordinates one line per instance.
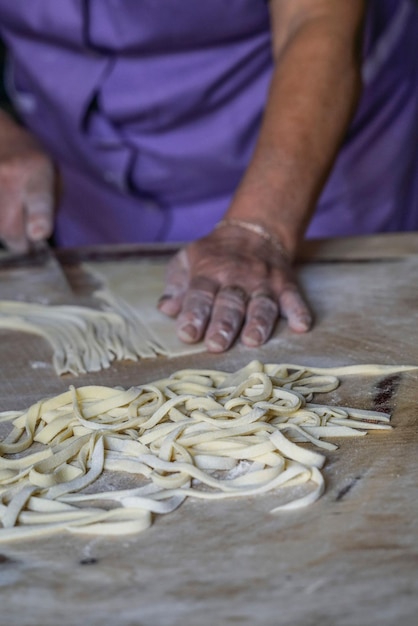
(177, 281)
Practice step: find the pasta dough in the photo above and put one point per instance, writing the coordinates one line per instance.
(132, 289)
(198, 433)
(84, 339)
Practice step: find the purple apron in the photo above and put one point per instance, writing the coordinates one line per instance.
(152, 109)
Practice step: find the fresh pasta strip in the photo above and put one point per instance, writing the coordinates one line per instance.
(120, 293)
(126, 324)
(203, 434)
(84, 339)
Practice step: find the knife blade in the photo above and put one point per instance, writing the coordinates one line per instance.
(55, 270)
(35, 275)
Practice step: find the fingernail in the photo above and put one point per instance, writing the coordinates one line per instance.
(253, 338)
(302, 324)
(188, 332)
(168, 305)
(164, 297)
(38, 228)
(218, 342)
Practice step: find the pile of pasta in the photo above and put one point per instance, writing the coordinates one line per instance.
(198, 433)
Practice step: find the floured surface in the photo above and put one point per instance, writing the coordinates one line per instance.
(140, 285)
(364, 305)
(124, 323)
(350, 559)
(180, 437)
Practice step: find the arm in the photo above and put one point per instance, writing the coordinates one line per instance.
(235, 280)
(312, 97)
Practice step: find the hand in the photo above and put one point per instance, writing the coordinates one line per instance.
(232, 282)
(26, 188)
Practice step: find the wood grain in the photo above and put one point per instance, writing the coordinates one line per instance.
(350, 559)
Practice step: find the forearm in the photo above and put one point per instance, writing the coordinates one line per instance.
(313, 93)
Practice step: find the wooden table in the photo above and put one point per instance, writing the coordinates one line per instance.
(349, 559)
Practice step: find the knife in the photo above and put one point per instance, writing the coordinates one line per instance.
(35, 275)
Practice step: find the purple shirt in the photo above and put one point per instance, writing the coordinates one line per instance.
(152, 110)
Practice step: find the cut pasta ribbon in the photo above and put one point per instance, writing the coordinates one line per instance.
(85, 339)
(198, 433)
(82, 339)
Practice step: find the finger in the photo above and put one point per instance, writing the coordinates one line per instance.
(12, 223)
(227, 317)
(196, 310)
(15, 244)
(177, 280)
(38, 201)
(262, 314)
(295, 310)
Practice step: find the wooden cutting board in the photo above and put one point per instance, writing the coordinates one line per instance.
(352, 558)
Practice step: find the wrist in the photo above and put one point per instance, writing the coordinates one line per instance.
(277, 225)
(256, 229)
(263, 239)
(272, 196)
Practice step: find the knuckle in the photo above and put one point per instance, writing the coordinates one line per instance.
(196, 307)
(203, 285)
(190, 319)
(17, 168)
(11, 223)
(226, 327)
(233, 296)
(11, 175)
(263, 309)
(228, 317)
(198, 298)
(263, 314)
(264, 302)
